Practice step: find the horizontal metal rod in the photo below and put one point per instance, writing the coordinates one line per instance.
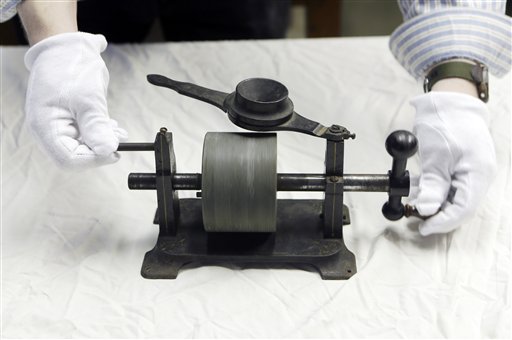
(136, 147)
(316, 182)
(373, 183)
(285, 182)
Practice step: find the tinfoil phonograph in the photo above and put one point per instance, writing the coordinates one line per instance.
(236, 217)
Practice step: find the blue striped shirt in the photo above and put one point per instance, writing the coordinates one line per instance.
(434, 31)
(8, 9)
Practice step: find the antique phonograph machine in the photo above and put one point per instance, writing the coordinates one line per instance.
(236, 217)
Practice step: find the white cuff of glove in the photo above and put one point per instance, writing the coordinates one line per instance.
(457, 158)
(66, 105)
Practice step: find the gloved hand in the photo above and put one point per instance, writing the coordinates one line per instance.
(457, 157)
(66, 104)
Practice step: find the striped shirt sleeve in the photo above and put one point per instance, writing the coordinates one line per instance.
(437, 30)
(8, 9)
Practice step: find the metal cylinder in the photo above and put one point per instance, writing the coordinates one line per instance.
(136, 147)
(239, 185)
(147, 181)
(316, 182)
(285, 182)
(142, 181)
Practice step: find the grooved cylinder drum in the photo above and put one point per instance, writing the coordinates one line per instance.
(239, 182)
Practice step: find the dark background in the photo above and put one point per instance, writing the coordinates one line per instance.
(309, 18)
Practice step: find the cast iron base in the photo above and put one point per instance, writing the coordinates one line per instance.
(298, 240)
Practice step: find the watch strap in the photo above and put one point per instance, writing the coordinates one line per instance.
(474, 72)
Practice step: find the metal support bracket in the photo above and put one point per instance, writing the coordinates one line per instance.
(333, 202)
(168, 202)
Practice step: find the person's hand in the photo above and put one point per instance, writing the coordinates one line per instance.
(66, 104)
(457, 157)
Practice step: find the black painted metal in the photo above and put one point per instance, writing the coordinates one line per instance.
(168, 201)
(143, 181)
(298, 241)
(400, 145)
(285, 182)
(259, 102)
(253, 107)
(136, 147)
(333, 202)
(307, 231)
(204, 94)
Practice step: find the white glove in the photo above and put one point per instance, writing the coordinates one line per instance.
(66, 104)
(457, 156)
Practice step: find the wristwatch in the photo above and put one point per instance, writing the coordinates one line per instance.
(475, 72)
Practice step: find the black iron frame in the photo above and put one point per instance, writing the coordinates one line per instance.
(308, 231)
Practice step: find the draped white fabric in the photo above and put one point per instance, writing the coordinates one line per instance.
(73, 243)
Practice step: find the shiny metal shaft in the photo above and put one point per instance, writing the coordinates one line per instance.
(285, 182)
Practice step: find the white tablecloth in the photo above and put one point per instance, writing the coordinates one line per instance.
(73, 243)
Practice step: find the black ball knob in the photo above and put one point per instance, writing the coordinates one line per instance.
(393, 212)
(401, 144)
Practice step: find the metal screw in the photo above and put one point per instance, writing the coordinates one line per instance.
(334, 179)
(163, 130)
(335, 128)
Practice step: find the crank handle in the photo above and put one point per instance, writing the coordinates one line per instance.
(411, 211)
